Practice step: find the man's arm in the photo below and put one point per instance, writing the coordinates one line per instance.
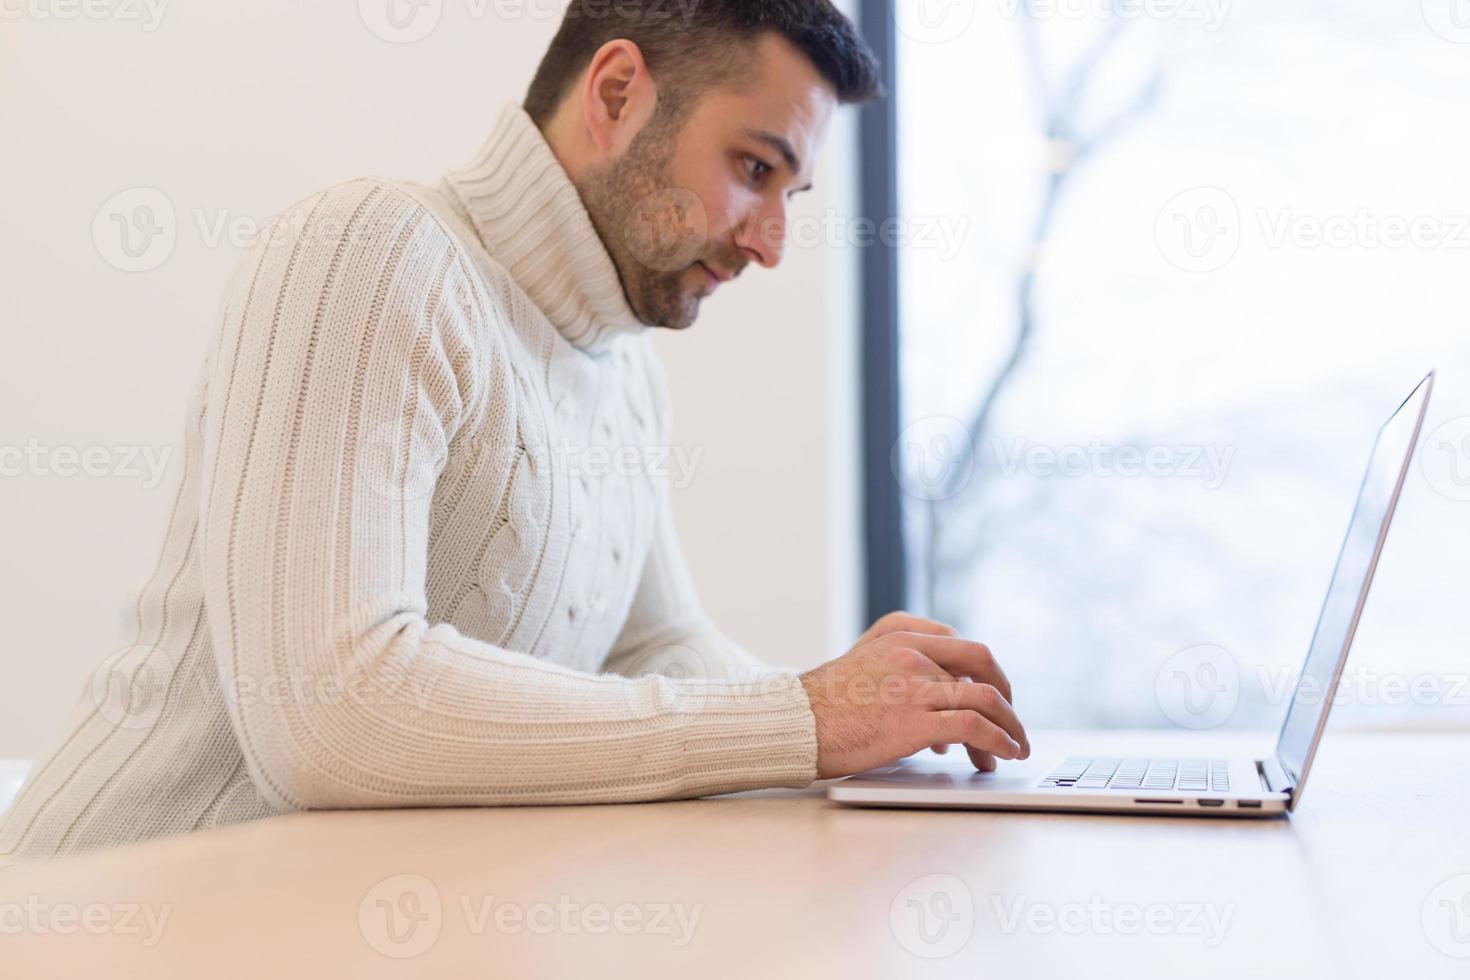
(358, 354)
(936, 686)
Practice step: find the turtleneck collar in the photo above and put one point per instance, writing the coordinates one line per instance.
(531, 219)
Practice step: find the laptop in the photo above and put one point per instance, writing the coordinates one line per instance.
(1142, 782)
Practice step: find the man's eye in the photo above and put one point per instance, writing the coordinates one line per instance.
(757, 169)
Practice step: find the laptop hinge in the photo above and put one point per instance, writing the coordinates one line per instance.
(1274, 776)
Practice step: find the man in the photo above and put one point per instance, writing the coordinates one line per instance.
(388, 582)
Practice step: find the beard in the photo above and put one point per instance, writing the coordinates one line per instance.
(655, 232)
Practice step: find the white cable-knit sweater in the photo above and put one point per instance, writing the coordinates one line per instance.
(394, 575)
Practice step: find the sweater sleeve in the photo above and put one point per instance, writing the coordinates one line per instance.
(351, 361)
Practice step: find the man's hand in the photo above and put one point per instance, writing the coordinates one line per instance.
(907, 684)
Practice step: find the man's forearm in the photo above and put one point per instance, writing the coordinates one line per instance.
(691, 652)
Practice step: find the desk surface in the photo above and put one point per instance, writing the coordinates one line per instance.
(1370, 878)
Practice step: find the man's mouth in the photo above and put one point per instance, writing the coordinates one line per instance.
(714, 277)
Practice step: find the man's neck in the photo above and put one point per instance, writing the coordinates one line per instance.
(530, 217)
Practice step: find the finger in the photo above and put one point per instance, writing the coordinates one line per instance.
(959, 657)
(983, 761)
(903, 622)
(940, 749)
(983, 698)
(971, 729)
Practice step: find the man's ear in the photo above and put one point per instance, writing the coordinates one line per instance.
(618, 98)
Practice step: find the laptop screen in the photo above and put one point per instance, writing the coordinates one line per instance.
(1355, 564)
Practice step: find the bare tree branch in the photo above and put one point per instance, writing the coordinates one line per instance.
(1061, 119)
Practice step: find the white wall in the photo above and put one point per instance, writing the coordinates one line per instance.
(235, 110)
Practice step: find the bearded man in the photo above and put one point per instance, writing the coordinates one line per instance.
(391, 580)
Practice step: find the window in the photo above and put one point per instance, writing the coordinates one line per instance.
(1161, 270)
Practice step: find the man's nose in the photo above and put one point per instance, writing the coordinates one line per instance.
(763, 237)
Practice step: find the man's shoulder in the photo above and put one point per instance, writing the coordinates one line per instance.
(399, 239)
(367, 216)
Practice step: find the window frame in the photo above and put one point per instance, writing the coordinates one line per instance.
(884, 554)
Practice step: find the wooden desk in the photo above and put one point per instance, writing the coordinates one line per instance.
(1364, 881)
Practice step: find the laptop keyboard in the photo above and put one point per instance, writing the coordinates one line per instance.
(1185, 775)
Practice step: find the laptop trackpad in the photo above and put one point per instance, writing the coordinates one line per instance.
(955, 770)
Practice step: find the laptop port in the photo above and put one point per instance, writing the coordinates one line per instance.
(1211, 802)
(1249, 804)
(1159, 801)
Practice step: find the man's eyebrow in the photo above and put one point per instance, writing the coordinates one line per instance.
(781, 145)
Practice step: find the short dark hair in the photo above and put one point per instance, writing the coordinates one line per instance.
(690, 41)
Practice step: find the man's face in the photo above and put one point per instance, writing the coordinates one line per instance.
(692, 203)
